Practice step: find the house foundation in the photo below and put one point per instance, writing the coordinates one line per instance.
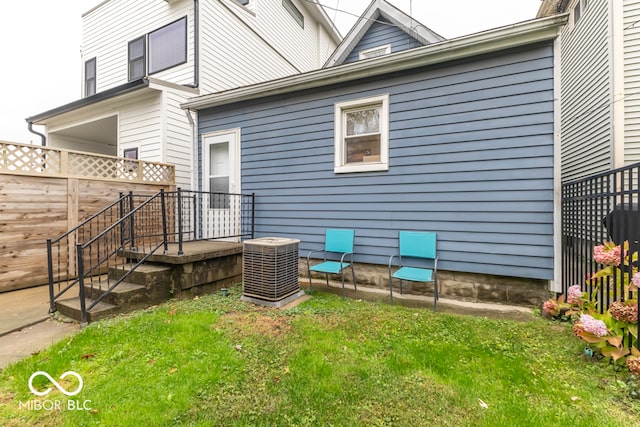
(468, 287)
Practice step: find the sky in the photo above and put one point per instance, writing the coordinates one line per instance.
(44, 37)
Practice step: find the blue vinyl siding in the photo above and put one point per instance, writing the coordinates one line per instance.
(382, 33)
(471, 157)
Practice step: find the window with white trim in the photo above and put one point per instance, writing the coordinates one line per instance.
(375, 52)
(361, 140)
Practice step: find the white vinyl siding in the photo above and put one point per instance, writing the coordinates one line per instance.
(139, 127)
(632, 81)
(585, 95)
(232, 55)
(107, 31)
(178, 137)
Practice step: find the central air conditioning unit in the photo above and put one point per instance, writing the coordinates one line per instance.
(270, 271)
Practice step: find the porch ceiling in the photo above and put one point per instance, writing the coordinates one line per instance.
(103, 131)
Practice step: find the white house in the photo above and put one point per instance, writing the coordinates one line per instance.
(600, 84)
(143, 58)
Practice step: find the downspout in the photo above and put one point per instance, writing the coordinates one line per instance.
(194, 149)
(42, 137)
(196, 45)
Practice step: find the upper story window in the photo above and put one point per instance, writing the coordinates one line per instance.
(375, 52)
(579, 9)
(137, 66)
(159, 50)
(168, 46)
(294, 11)
(361, 141)
(90, 77)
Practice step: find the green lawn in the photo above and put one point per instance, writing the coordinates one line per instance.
(217, 361)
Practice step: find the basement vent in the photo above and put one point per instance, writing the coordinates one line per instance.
(270, 271)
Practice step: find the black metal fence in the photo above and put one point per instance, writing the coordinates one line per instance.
(141, 224)
(603, 207)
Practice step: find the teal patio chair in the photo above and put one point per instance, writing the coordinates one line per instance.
(339, 242)
(415, 244)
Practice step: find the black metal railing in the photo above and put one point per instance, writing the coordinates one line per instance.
(208, 215)
(603, 207)
(123, 236)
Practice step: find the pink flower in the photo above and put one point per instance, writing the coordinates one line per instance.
(594, 326)
(635, 282)
(607, 254)
(574, 294)
(551, 307)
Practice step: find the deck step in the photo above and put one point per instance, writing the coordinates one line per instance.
(71, 308)
(126, 294)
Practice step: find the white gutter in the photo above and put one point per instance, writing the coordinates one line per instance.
(515, 35)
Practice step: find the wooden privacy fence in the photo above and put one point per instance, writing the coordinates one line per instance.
(46, 191)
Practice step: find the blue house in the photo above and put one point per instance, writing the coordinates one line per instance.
(403, 130)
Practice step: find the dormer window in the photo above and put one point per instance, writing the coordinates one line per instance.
(375, 52)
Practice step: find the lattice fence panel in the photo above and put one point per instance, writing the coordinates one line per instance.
(157, 173)
(29, 159)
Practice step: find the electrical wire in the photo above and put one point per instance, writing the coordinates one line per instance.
(566, 120)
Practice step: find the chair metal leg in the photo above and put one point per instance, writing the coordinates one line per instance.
(342, 284)
(353, 274)
(326, 276)
(390, 290)
(435, 295)
(309, 272)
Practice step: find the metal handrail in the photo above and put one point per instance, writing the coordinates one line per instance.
(188, 222)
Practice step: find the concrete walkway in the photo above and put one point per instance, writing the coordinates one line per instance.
(25, 324)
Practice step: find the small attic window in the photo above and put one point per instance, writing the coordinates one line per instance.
(375, 52)
(294, 12)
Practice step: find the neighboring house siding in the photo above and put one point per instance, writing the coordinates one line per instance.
(108, 29)
(631, 25)
(297, 44)
(382, 32)
(471, 157)
(585, 94)
(232, 54)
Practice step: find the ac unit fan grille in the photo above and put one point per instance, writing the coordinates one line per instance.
(270, 268)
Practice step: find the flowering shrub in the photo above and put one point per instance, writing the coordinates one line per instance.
(613, 333)
(607, 254)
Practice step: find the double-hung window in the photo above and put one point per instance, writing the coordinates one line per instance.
(90, 77)
(137, 58)
(361, 141)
